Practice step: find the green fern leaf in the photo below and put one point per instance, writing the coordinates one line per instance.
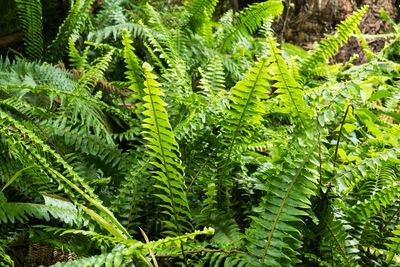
(53, 207)
(30, 16)
(17, 140)
(249, 20)
(246, 107)
(77, 61)
(287, 86)
(200, 8)
(273, 237)
(71, 27)
(90, 78)
(134, 74)
(213, 79)
(165, 151)
(329, 46)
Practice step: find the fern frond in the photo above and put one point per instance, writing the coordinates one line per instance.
(166, 46)
(71, 27)
(30, 16)
(200, 8)
(249, 20)
(165, 150)
(329, 46)
(90, 78)
(27, 149)
(381, 198)
(56, 208)
(335, 242)
(246, 107)
(134, 249)
(273, 236)
(134, 73)
(112, 12)
(286, 84)
(134, 29)
(33, 73)
(89, 144)
(213, 79)
(207, 32)
(392, 255)
(5, 258)
(111, 259)
(77, 61)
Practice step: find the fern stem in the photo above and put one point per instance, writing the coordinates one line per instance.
(394, 253)
(340, 133)
(337, 241)
(198, 172)
(386, 224)
(319, 149)
(282, 204)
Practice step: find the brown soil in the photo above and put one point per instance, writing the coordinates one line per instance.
(309, 20)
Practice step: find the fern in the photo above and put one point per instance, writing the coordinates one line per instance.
(382, 197)
(200, 8)
(249, 20)
(6, 259)
(213, 79)
(90, 78)
(30, 16)
(286, 84)
(134, 250)
(332, 232)
(328, 47)
(246, 108)
(30, 151)
(58, 209)
(392, 255)
(32, 73)
(99, 36)
(165, 150)
(134, 74)
(71, 27)
(273, 237)
(77, 61)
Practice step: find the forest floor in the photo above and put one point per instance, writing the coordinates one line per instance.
(307, 21)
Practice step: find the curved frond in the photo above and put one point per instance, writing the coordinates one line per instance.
(329, 46)
(71, 27)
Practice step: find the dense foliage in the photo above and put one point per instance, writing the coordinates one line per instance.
(161, 135)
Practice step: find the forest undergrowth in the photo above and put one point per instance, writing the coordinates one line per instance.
(163, 135)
